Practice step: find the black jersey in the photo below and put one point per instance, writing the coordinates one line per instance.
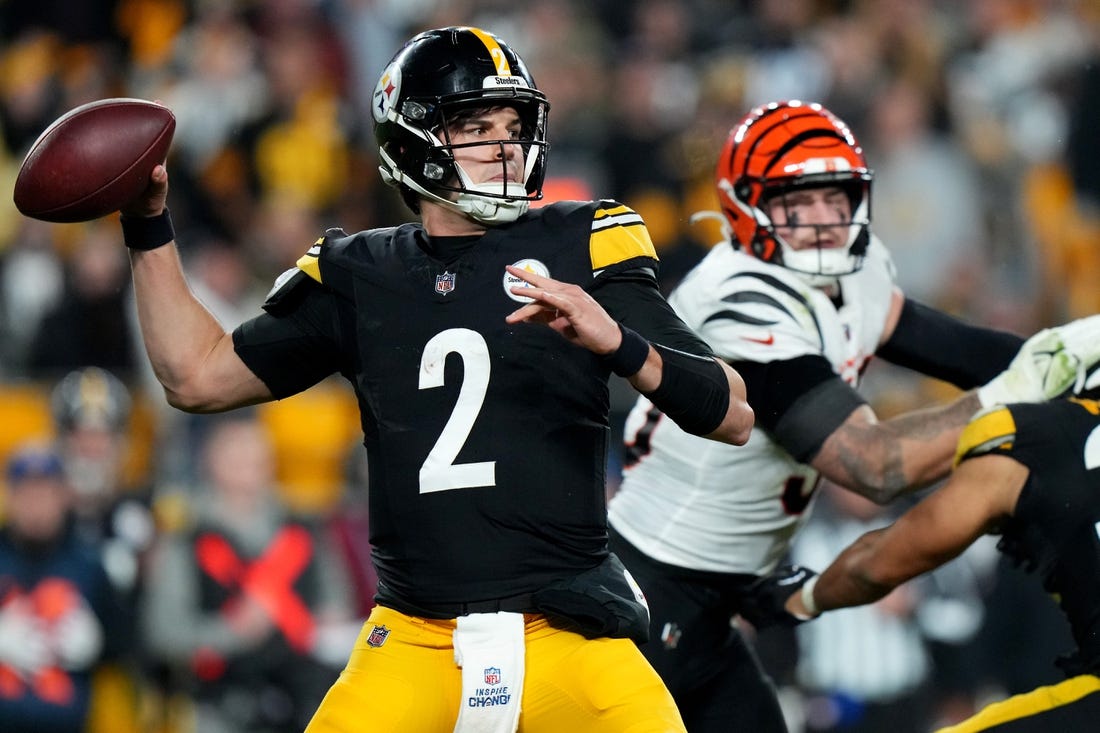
(487, 442)
(1054, 529)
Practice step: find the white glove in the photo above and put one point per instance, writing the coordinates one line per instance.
(1053, 362)
(77, 638)
(23, 641)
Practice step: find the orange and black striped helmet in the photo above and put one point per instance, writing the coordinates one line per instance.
(781, 146)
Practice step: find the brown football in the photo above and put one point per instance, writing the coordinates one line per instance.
(93, 160)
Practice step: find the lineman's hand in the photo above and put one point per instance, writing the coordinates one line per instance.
(153, 199)
(567, 309)
(765, 603)
(1052, 363)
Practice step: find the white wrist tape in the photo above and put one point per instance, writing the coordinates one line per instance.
(808, 596)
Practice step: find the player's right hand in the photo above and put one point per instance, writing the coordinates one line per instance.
(567, 309)
(1053, 363)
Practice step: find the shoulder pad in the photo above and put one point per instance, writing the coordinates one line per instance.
(618, 235)
(287, 283)
(309, 263)
(992, 430)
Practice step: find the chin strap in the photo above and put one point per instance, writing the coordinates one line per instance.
(486, 210)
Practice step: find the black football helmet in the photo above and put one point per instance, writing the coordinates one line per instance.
(435, 75)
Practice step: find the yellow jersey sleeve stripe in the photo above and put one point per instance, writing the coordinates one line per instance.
(497, 55)
(618, 234)
(1028, 704)
(985, 433)
(310, 262)
(1091, 405)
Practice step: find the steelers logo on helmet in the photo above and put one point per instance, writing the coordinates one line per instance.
(511, 281)
(386, 92)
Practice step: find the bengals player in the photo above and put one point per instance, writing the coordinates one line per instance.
(798, 301)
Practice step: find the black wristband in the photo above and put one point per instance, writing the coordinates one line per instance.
(628, 359)
(147, 232)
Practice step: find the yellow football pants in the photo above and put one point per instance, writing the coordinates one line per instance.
(410, 683)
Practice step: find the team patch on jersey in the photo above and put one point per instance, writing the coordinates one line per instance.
(511, 281)
(987, 432)
(618, 234)
(377, 636)
(444, 283)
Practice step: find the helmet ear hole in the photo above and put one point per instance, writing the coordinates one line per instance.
(743, 190)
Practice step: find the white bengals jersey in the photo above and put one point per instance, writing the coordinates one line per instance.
(705, 505)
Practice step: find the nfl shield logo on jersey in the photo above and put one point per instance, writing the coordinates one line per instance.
(492, 676)
(377, 636)
(445, 283)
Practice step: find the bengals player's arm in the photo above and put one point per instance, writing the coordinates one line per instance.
(191, 354)
(882, 460)
(980, 495)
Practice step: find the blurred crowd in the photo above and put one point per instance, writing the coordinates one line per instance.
(978, 118)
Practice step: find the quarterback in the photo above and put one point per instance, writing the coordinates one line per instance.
(479, 342)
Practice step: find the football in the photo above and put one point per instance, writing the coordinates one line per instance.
(93, 160)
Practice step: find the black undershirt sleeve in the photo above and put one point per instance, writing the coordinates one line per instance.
(939, 345)
(799, 401)
(295, 346)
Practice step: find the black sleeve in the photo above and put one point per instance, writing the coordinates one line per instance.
(694, 390)
(799, 401)
(294, 346)
(941, 346)
(633, 299)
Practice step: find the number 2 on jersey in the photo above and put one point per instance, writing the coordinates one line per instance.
(439, 472)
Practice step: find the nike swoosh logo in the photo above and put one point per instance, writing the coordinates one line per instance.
(766, 341)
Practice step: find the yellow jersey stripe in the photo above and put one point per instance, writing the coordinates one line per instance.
(1036, 702)
(618, 234)
(1091, 405)
(495, 53)
(614, 211)
(986, 432)
(310, 262)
